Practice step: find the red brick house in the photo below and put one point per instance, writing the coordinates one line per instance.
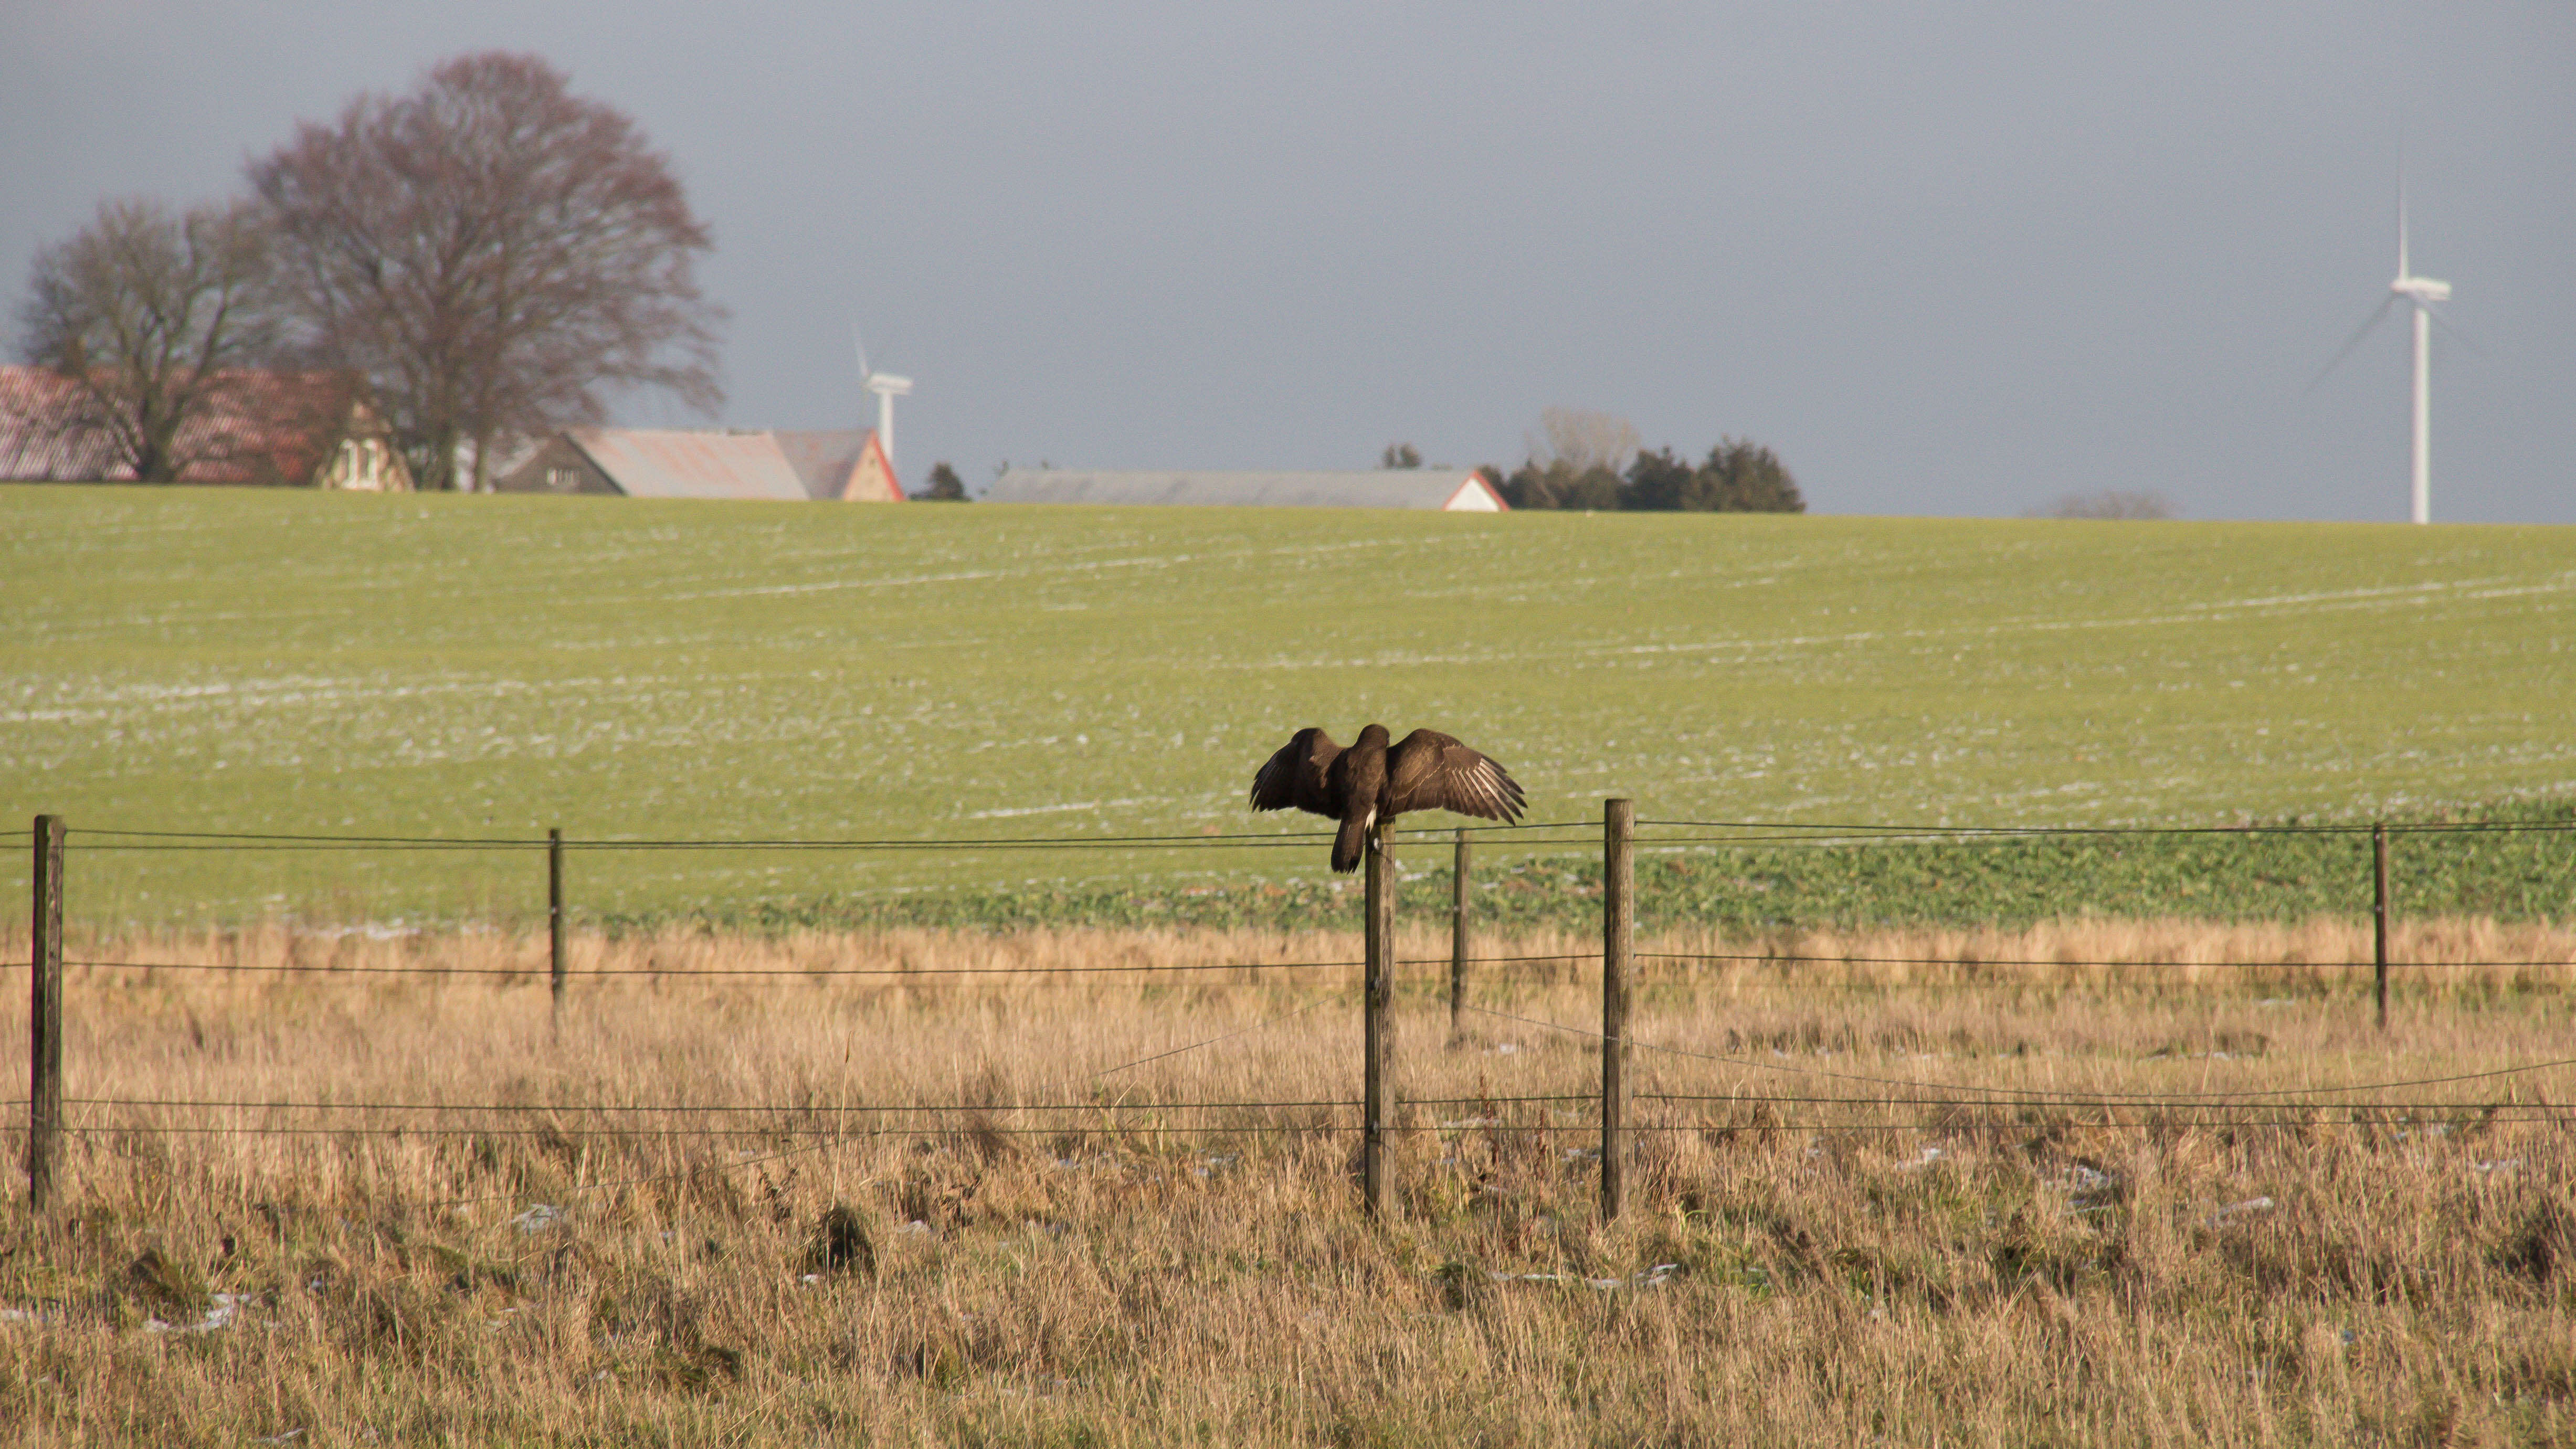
(273, 429)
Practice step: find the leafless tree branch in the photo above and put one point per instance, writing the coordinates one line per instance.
(491, 252)
(152, 316)
(1582, 439)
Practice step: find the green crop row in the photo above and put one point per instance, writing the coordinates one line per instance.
(2520, 875)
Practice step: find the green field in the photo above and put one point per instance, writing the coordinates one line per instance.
(287, 661)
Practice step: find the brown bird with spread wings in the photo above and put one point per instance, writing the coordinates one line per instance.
(1371, 783)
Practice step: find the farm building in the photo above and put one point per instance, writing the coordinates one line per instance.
(1444, 489)
(847, 466)
(279, 429)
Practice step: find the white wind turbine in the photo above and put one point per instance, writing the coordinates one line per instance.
(887, 387)
(2423, 292)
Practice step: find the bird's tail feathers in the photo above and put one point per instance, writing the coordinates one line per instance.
(1348, 844)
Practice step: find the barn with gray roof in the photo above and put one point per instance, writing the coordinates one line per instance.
(846, 466)
(1446, 490)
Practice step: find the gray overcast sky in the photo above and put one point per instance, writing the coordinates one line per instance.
(1947, 259)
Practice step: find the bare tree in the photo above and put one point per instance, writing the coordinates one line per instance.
(149, 318)
(490, 252)
(1581, 440)
(2111, 503)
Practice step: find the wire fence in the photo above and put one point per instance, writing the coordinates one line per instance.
(1895, 1105)
(922, 972)
(1734, 874)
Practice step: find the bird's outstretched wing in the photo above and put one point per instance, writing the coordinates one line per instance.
(1294, 777)
(1428, 770)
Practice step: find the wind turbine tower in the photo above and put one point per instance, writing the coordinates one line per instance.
(888, 387)
(2423, 292)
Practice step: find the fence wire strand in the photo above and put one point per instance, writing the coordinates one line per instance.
(2003, 1095)
(801, 1118)
(1943, 832)
(541, 970)
(1766, 957)
(2207, 1115)
(677, 1109)
(839, 1137)
(1770, 830)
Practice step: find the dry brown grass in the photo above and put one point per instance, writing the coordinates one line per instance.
(2054, 1273)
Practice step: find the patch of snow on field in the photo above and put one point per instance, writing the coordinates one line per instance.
(2239, 1209)
(225, 1308)
(1005, 814)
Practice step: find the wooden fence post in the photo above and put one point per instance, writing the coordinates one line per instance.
(555, 918)
(2379, 912)
(45, 1017)
(1378, 1041)
(1460, 859)
(1618, 953)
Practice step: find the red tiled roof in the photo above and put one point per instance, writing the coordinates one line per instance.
(266, 427)
(41, 437)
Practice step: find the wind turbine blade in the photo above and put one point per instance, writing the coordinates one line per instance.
(862, 344)
(2351, 343)
(2401, 211)
(2451, 330)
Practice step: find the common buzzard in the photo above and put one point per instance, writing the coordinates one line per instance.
(1371, 783)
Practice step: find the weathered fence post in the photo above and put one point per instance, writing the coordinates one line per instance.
(1618, 953)
(2379, 912)
(1459, 861)
(45, 1017)
(555, 918)
(1378, 1041)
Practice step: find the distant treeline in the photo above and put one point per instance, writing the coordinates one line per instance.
(1737, 476)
